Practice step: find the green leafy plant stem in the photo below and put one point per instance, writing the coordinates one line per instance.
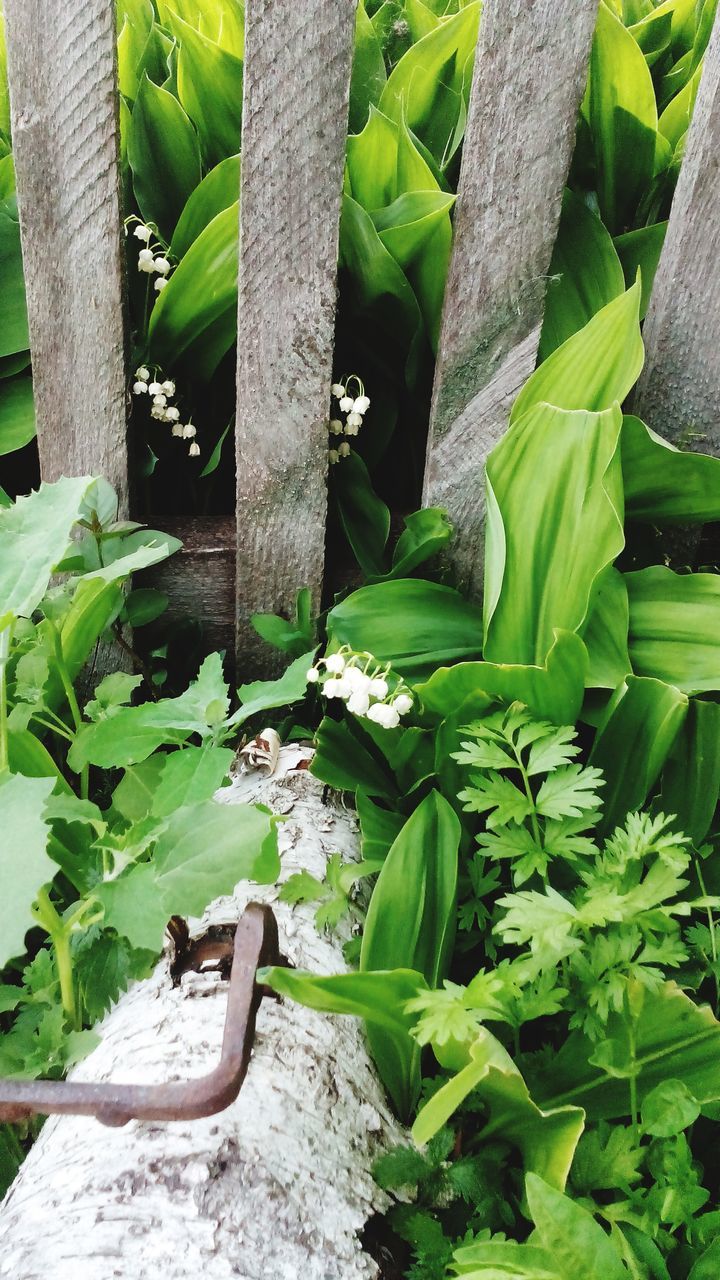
(59, 931)
(72, 702)
(530, 797)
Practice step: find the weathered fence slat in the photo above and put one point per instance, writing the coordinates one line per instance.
(679, 390)
(64, 119)
(529, 76)
(297, 76)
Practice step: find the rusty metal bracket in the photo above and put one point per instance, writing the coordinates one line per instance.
(255, 943)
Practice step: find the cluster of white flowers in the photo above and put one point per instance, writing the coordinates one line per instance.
(354, 407)
(151, 259)
(363, 685)
(161, 393)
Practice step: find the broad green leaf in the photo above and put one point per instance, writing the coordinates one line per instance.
(221, 21)
(430, 85)
(555, 522)
(218, 191)
(264, 695)
(95, 606)
(416, 626)
(663, 484)
(691, 777)
(595, 368)
(136, 23)
(675, 627)
(34, 534)
(584, 275)
(195, 315)
(164, 156)
(553, 691)
(504, 1260)
(571, 1234)
(205, 849)
(668, 1109)
(191, 776)
(380, 999)
(24, 864)
(623, 119)
(378, 827)
(133, 733)
(14, 335)
(411, 918)
(27, 755)
(426, 533)
(378, 288)
(17, 413)
(364, 516)
(707, 1266)
(346, 758)
(372, 162)
(420, 19)
(368, 71)
(133, 908)
(606, 633)
(210, 83)
(652, 33)
(640, 251)
(416, 228)
(546, 1138)
(634, 742)
(675, 119)
(676, 1039)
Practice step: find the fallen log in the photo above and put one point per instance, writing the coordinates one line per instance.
(277, 1185)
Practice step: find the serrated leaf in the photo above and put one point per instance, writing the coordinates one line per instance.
(570, 792)
(133, 908)
(498, 797)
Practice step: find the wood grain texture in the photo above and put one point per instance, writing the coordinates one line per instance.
(64, 119)
(679, 390)
(530, 71)
(297, 60)
(200, 579)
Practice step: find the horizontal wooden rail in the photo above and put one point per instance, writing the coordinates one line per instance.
(529, 76)
(64, 107)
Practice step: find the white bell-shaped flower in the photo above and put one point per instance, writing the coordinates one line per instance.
(346, 404)
(194, 450)
(361, 405)
(139, 388)
(160, 284)
(142, 374)
(338, 390)
(143, 233)
(162, 266)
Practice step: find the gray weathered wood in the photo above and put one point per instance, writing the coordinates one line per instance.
(297, 60)
(679, 391)
(529, 77)
(64, 119)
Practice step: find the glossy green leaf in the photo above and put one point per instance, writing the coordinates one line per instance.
(426, 532)
(135, 26)
(346, 758)
(210, 83)
(14, 335)
(221, 21)
(547, 1139)
(191, 776)
(571, 1235)
(691, 777)
(417, 626)
(634, 742)
(555, 509)
(675, 119)
(378, 286)
(368, 71)
(675, 627)
(676, 1039)
(596, 367)
(380, 999)
(429, 87)
(410, 922)
(584, 275)
(623, 119)
(364, 516)
(553, 691)
(379, 827)
(217, 192)
(27, 755)
(164, 156)
(17, 413)
(372, 162)
(606, 633)
(206, 848)
(263, 695)
(416, 229)
(24, 864)
(640, 251)
(34, 534)
(666, 485)
(195, 317)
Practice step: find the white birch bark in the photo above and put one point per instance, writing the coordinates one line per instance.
(279, 1184)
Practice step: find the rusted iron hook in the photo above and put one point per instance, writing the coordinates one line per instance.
(255, 943)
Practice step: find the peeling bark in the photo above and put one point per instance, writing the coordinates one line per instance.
(277, 1185)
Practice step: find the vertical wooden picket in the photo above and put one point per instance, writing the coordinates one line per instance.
(297, 76)
(61, 62)
(679, 391)
(529, 76)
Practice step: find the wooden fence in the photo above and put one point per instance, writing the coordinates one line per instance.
(529, 76)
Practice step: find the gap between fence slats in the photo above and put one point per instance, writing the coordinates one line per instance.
(61, 62)
(679, 390)
(297, 75)
(529, 76)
